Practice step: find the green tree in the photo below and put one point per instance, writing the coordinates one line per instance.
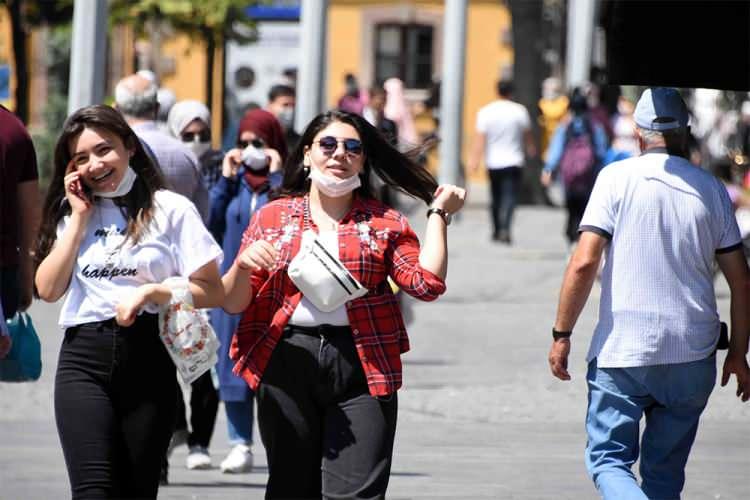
(24, 16)
(210, 21)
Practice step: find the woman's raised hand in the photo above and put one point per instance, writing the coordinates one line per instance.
(449, 198)
(231, 163)
(275, 159)
(260, 255)
(75, 192)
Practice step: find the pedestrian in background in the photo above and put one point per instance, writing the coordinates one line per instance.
(398, 110)
(326, 380)
(245, 185)
(136, 99)
(111, 235)
(281, 102)
(661, 222)
(20, 214)
(503, 135)
(352, 101)
(576, 152)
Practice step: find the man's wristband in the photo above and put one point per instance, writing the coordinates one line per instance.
(557, 335)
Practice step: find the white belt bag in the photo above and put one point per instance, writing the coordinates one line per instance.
(321, 277)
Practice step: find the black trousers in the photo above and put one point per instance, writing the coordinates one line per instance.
(115, 396)
(204, 402)
(575, 203)
(325, 435)
(504, 184)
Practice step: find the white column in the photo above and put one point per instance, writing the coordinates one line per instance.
(452, 91)
(87, 54)
(311, 78)
(579, 40)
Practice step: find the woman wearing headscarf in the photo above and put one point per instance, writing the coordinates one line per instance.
(397, 109)
(190, 122)
(249, 172)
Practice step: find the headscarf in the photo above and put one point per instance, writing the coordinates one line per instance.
(185, 112)
(397, 110)
(267, 127)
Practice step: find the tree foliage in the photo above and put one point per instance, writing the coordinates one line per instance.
(219, 19)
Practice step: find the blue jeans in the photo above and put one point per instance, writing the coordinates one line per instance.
(504, 185)
(240, 421)
(672, 398)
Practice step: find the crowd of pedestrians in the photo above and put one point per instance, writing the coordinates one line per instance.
(292, 246)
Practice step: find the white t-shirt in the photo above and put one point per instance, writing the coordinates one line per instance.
(175, 244)
(306, 314)
(667, 219)
(503, 122)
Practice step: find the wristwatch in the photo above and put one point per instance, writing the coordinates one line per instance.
(442, 213)
(560, 335)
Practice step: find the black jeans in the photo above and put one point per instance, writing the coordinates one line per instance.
(575, 203)
(504, 183)
(115, 396)
(324, 434)
(204, 402)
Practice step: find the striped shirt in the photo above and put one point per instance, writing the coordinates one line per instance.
(666, 220)
(374, 242)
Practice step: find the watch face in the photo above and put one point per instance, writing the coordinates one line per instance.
(448, 218)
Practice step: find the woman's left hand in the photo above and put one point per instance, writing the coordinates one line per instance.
(275, 162)
(449, 198)
(128, 309)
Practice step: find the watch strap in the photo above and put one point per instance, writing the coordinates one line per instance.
(557, 335)
(442, 213)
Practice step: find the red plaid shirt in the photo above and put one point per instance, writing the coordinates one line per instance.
(374, 242)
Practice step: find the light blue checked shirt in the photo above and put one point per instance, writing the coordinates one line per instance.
(178, 164)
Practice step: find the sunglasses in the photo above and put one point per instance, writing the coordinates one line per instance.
(257, 143)
(329, 144)
(203, 136)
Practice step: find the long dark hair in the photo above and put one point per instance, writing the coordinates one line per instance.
(396, 169)
(137, 206)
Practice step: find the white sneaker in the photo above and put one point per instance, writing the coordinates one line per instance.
(198, 459)
(239, 459)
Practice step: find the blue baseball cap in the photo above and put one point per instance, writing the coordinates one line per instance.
(661, 108)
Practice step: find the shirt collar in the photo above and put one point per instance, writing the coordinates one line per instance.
(657, 150)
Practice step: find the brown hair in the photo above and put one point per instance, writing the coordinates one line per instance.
(397, 170)
(137, 206)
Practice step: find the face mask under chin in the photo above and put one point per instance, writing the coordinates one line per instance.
(332, 186)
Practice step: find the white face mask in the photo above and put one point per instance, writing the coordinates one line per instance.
(334, 187)
(286, 118)
(198, 147)
(126, 184)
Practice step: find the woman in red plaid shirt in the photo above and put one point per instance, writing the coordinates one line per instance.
(326, 381)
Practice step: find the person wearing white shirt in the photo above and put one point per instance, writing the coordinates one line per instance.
(660, 222)
(111, 234)
(503, 136)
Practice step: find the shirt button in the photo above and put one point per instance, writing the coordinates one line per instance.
(355, 331)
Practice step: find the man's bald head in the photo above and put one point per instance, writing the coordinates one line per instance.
(135, 97)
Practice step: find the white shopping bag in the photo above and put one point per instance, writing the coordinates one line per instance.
(186, 333)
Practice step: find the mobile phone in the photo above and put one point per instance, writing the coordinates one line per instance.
(82, 191)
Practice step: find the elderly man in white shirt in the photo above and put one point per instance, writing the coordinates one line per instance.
(136, 99)
(660, 222)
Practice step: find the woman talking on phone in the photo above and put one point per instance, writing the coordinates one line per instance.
(325, 364)
(111, 234)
